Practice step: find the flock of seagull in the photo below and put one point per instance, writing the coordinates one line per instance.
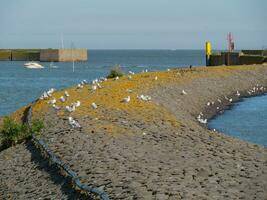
(96, 84)
(253, 91)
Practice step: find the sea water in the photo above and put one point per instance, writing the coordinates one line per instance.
(246, 120)
(20, 86)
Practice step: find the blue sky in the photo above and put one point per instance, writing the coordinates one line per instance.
(132, 24)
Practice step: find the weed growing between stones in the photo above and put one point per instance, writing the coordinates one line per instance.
(13, 132)
(115, 72)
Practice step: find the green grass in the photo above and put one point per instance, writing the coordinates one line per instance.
(13, 133)
(115, 72)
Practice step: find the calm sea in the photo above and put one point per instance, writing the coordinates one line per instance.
(246, 120)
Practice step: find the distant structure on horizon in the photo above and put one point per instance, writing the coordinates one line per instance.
(231, 57)
(44, 55)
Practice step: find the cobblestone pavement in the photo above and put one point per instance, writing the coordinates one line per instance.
(24, 174)
(155, 160)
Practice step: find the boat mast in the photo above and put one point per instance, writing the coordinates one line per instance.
(62, 42)
(72, 47)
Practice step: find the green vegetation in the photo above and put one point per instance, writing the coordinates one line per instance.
(37, 126)
(13, 133)
(115, 71)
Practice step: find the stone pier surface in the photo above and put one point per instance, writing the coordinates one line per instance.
(153, 149)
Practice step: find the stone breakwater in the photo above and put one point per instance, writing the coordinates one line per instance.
(149, 149)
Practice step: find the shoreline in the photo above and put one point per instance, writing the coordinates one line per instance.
(229, 106)
(157, 149)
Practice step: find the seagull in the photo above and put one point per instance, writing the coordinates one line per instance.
(230, 100)
(53, 101)
(44, 96)
(144, 97)
(130, 72)
(217, 108)
(237, 93)
(66, 93)
(202, 121)
(73, 123)
(156, 78)
(79, 86)
(208, 104)
(116, 78)
(126, 100)
(77, 103)
(103, 79)
(168, 70)
(184, 92)
(94, 106)
(70, 108)
(94, 81)
(84, 82)
(50, 92)
(219, 100)
(56, 107)
(99, 86)
(62, 99)
(94, 87)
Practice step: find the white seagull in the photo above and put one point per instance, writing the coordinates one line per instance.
(79, 86)
(144, 97)
(94, 106)
(73, 123)
(184, 92)
(77, 103)
(70, 108)
(53, 101)
(56, 107)
(99, 86)
(66, 93)
(94, 87)
(126, 100)
(156, 78)
(50, 92)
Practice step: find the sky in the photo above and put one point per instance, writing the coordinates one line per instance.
(132, 24)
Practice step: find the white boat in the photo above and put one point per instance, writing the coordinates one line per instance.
(33, 65)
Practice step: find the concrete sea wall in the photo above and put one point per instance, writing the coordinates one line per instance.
(43, 55)
(245, 57)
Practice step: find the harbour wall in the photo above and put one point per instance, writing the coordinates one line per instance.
(245, 57)
(43, 55)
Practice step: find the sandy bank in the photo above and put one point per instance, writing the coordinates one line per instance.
(158, 149)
